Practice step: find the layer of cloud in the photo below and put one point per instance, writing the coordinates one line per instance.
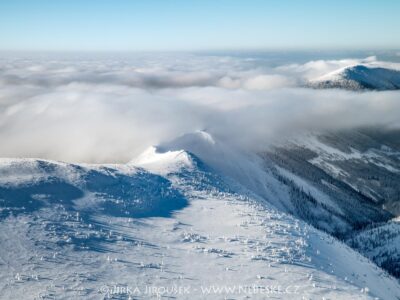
(110, 110)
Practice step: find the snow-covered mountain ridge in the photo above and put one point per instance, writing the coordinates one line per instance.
(350, 177)
(171, 217)
(360, 77)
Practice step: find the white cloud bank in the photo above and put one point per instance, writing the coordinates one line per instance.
(110, 110)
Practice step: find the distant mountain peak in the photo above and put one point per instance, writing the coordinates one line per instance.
(359, 77)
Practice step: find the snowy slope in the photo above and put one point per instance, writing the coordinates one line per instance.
(320, 194)
(366, 159)
(360, 77)
(165, 220)
(347, 182)
(380, 243)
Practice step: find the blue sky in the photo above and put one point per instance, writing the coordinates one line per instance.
(129, 25)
